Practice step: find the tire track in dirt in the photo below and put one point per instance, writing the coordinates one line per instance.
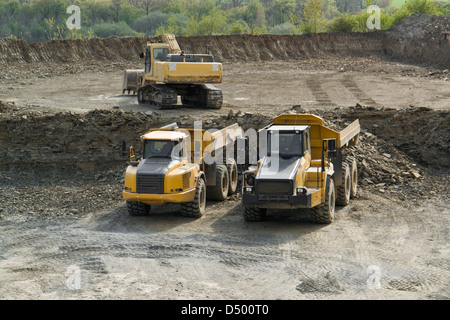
(320, 95)
(359, 94)
(391, 253)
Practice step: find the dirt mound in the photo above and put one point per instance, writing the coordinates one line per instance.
(224, 48)
(68, 51)
(66, 141)
(420, 38)
(284, 47)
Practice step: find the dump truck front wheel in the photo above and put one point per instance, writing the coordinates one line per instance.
(324, 213)
(254, 214)
(196, 208)
(138, 208)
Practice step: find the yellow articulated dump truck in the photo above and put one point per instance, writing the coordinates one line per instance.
(184, 166)
(305, 165)
(169, 72)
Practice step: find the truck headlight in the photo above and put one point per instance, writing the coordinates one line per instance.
(248, 189)
(302, 190)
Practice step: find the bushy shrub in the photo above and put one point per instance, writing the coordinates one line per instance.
(363, 16)
(421, 6)
(238, 27)
(343, 23)
(284, 28)
(120, 29)
(148, 24)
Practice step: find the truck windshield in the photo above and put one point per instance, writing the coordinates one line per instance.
(285, 144)
(160, 53)
(160, 149)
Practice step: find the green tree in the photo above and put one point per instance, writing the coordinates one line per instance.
(129, 13)
(145, 5)
(95, 12)
(201, 8)
(255, 14)
(116, 6)
(148, 24)
(174, 24)
(192, 27)
(348, 5)
(280, 11)
(313, 16)
(214, 23)
(238, 27)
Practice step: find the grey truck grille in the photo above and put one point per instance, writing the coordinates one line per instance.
(150, 183)
(274, 187)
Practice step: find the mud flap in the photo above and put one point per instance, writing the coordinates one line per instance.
(210, 171)
(337, 166)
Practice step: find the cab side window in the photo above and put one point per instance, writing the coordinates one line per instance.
(306, 142)
(148, 60)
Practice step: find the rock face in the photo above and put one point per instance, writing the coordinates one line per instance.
(65, 140)
(421, 38)
(224, 48)
(392, 141)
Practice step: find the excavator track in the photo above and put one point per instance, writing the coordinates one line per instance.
(165, 97)
(157, 95)
(204, 96)
(214, 97)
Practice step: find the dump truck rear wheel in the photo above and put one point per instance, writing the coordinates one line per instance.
(343, 191)
(138, 208)
(220, 190)
(196, 208)
(354, 178)
(325, 213)
(254, 214)
(232, 176)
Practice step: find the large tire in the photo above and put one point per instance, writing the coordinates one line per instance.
(232, 176)
(138, 208)
(196, 208)
(254, 214)
(325, 213)
(220, 190)
(354, 178)
(343, 191)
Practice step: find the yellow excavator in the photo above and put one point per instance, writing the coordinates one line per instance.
(170, 73)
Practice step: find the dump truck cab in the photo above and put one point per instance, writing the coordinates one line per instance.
(279, 180)
(164, 173)
(301, 167)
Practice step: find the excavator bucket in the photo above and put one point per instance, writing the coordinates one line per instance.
(131, 80)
